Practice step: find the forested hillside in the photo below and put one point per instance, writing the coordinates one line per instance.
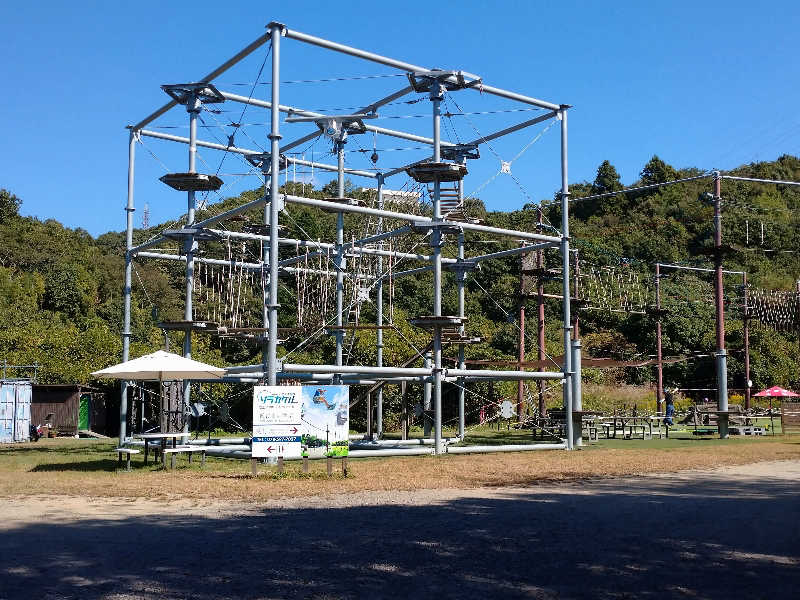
(61, 290)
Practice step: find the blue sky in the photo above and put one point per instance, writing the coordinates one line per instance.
(710, 85)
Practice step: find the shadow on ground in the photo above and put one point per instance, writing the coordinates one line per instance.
(653, 537)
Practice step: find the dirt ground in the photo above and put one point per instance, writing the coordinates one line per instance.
(727, 533)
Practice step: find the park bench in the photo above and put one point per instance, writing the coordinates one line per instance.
(190, 450)
(746, 430)
(127, 452)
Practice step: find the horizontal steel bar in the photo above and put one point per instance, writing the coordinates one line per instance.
(336, 207)
(480, 140)
(512, 251)
(313, 115)
(265, 238)
(247, 50)
(248, 152)
(512, 129)
(504, 374)
(364, 210)
(200, 259)
(407, 272)
(504, 448)
(519, 235)
(411, 68)
(236, 264)
(369, 108)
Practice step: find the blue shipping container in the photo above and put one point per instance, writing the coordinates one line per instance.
(15, 411)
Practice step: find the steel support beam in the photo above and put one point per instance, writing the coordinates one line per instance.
(126, 319)
(568, 374)
(271, 358)
(246, 51)
(411, 68)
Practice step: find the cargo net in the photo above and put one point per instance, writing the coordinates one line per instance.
(776, 309)
(615, 289)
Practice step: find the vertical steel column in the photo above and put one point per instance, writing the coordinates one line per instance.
(379, 315)
(126, 319)
(577, 395)
(568, 374)
(462, 274)
(722, 357)
(340, 263)
(746, 326)
(659, 356)
(576, 329)
(540, 315)
(275, 30)
(426, 399)
(436, 96)
(193, 107)
(521, 355)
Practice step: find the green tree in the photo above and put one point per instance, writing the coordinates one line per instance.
(9, 205)
(607, 179)
(657, 171)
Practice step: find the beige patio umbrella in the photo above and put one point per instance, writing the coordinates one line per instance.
(160, 366)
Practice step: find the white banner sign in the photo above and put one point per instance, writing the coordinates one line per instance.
(277, 421)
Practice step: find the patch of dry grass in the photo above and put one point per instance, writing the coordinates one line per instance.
(82, 468)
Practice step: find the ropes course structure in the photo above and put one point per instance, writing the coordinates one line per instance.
(388, 234)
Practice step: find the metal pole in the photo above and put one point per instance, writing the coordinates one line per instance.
(426, 399)
(276, 30)
(193, 107)
(340, 258)
(461, 306)
(436, 96)
(746, 333)
(577, 401)
(722, 357)
(576, 319)
(379, 317)
(540, 316)
(126, 322)
(521, 357)
(659, 356)
(567, 368)
(403, 66)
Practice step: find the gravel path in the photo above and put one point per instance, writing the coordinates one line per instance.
(648, 537)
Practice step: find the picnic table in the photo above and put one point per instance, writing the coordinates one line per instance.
(619, 423)
(162, 438)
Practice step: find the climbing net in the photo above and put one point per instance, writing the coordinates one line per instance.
(616, 289)
(776, 309)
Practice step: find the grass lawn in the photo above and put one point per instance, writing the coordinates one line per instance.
(89, 468)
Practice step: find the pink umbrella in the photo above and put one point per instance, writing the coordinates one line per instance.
(777, 392)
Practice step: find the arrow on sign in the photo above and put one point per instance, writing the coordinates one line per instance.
(293, 430)
(269, 449)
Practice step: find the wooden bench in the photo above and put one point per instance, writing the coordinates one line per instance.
(190, 450)
(127, 452)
